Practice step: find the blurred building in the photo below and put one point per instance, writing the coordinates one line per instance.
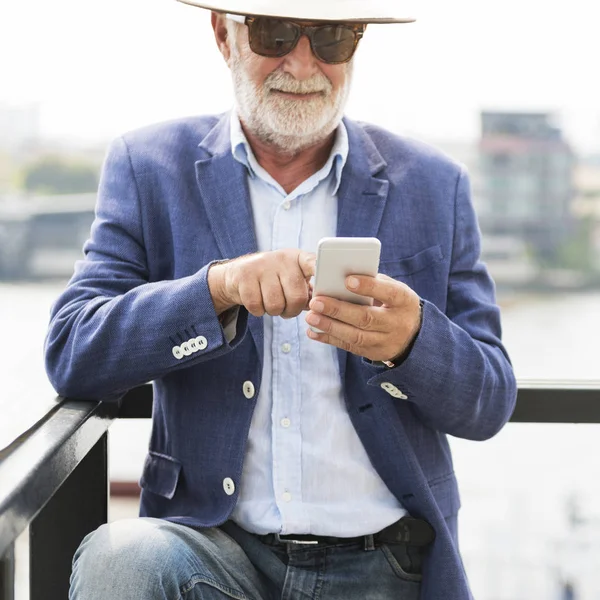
(587, 199)
(526, 180)
(42, 236)
(587, 187)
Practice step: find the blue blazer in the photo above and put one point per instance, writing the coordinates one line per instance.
(172, 199)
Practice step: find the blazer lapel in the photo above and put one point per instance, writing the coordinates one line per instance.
(362, 195)
(224, 190)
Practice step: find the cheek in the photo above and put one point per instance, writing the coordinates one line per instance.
(259, 67)
(336, 74)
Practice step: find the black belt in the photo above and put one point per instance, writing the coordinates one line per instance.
(409, 531)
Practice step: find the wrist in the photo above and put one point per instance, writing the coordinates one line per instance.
(217, 287)
(404, 353)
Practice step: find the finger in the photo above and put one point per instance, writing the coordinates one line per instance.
(273, 297)
(368, 318)
(373, 346)
(350, 336)
(325, 338)
(386, 290)
(297, 293)
(307, 262)
(251, 296)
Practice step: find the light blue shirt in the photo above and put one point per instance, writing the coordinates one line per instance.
(305, 469)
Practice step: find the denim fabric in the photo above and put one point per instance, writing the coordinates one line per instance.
(153, 559)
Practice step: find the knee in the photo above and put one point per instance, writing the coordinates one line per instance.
(123, 543)
(132, 558)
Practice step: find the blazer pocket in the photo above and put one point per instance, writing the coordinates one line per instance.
(160, 474)
(398, 267)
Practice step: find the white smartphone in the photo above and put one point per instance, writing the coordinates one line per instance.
(339, 257)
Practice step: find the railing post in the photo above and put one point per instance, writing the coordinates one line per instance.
(7, 575)
(78, 507)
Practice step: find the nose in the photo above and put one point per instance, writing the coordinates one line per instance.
(301, 62)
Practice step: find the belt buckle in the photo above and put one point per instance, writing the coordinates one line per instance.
(298, 542)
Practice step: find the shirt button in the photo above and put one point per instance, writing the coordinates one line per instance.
(392, 390)
(285, 422)
(286, 348)
(228, 486)
(201, 341)
(287, 204)
(287, 497)
(248, 389)
(177, 353)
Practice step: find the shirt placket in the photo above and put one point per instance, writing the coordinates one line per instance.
(286, 406)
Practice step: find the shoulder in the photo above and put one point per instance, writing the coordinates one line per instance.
(402, 153)
(168, 140)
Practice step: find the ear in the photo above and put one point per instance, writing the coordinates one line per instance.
(219, 26)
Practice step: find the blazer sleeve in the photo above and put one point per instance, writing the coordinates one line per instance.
(458, 373)
(112, 329)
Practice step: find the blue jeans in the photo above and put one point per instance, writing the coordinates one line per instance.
(153, 559)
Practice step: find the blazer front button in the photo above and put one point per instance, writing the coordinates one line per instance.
(248, 389)
(228, 486)
(177, 353)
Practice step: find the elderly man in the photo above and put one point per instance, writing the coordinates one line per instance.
(284, 463)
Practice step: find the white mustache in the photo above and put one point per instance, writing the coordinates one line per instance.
(284, 82)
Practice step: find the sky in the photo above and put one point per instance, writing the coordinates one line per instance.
(98, 69)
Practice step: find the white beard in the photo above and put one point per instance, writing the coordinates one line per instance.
(287, 124)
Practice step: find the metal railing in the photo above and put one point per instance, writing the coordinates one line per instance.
(54, 477)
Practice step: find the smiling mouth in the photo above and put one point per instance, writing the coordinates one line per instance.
(298, 94)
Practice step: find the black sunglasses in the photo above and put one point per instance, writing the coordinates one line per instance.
(331, 43)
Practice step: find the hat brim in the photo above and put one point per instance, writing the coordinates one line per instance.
(349, 11)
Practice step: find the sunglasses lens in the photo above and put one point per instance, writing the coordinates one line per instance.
(334, 43)
(272, 37)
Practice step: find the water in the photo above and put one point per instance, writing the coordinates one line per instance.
(516, 538)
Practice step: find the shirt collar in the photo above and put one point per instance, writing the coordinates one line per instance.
(242, 152)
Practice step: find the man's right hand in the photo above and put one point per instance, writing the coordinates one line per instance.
(275, 283)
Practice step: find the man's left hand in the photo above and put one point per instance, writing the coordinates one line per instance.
(379, 332)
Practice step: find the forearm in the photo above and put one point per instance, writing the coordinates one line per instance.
(108, 335)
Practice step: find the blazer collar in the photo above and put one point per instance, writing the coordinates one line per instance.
(362, 195)
(224, 190)
(222, 179)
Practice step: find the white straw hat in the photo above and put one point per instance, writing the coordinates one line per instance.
(346, 11)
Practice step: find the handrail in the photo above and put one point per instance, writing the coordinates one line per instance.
(537, 402)
(54, 477)
(557, 402)
(39, 465)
